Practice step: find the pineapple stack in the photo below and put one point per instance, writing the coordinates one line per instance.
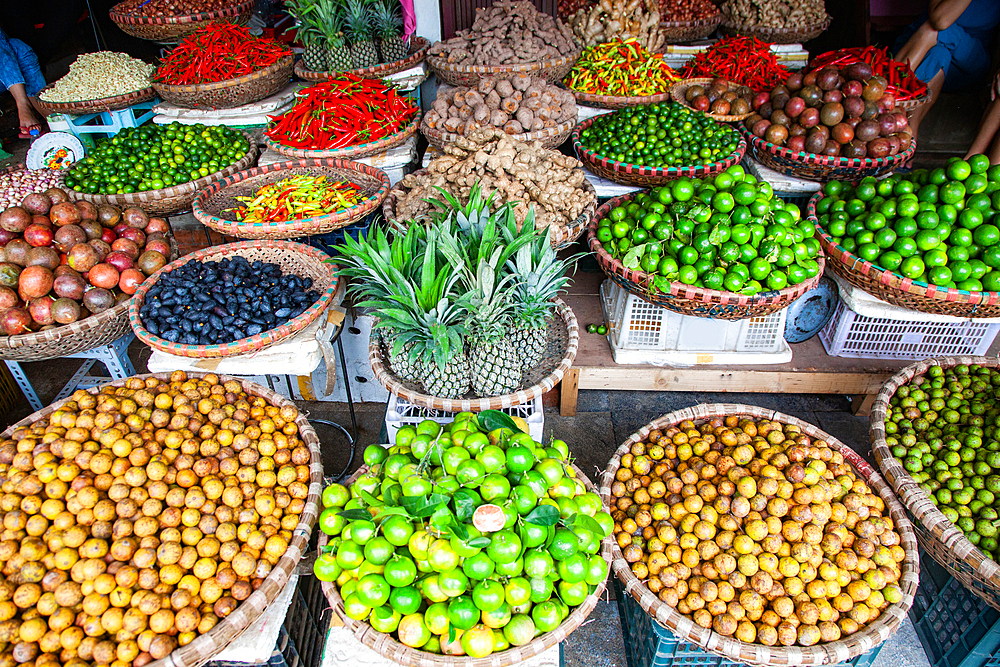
(343, 35)
(465, 302)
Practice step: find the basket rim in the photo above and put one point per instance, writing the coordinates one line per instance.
(360, 209)
(443, 137)
(297, 546)
(832, 162)
(914, 498)
(286, 61)
(250, 343)
(755, 30)
(678, 89)
(84, 106)
(757, 654)
(233, 10)
(349, 152)
(418, 45)
(616, 101)
(389, 380)
(385, 644)
(854, 264)
(441, 63)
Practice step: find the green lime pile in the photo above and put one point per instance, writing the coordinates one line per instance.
(943, 427)
(660, 135)
(724, 232)
(938, 227)
(152, 157)
(466, 539)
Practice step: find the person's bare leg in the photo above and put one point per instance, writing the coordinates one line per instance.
(922, 41)
(987, 132)
(994, 153)
(934, 85)
(25, 110)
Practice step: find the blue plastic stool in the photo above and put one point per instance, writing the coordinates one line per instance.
(108, 122)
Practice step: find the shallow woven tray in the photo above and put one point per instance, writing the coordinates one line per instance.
(814, 167)
(688, 31)
(213, 205)
(230, 92)
(163, 28)
(551, 137)
(894, 288)
(417, 51)
(777, 35)
(401, 654)
(96, 106)
(302, 260)
(632, 174)
(564, 338)
(469, 75)
(80, 336)
(688, 299)
(205, 646)
(915, 103)
(757, 654)
(349, 152)
(176, 198)
(680, 89)
(938, 536)
(561, 236)
(617, 101)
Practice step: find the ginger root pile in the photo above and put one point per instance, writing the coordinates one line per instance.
(508, 33)
(516, 103)
(775, 13)
(527, 173)
(609, 20)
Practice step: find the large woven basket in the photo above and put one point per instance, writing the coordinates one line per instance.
(349, 152)
(205, 646)
(937, 535)
(401, 654)
(560, 237)
(814, 167)
(688, 299)
(214, 205)
(777, 35)
(416, 53)
(296, 258)
(551, 137)
(896, 289)
(96, 106)
(915, 103)
(617, 101)
(757, 654)
(469, 75)
(564, 338)
(688, 31)
(172, 28)
(230, 92)
(680, 89)
(642, 176)
(177, 197)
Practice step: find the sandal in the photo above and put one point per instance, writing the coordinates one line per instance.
(30, 132)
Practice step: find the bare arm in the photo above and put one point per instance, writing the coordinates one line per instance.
(942, 13)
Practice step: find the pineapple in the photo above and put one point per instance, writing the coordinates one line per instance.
(389, 27)
(338, 54)
(451, 380)
(308, 19)
(399, 358)
(363, 53)
(496, 367)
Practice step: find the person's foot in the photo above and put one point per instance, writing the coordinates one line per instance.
(29, 122)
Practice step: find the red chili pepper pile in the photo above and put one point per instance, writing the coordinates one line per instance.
(217, 52)
(341, 112)
(745, 60)
(903, 83)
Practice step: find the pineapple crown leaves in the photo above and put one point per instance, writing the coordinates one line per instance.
(357, 20)
(492, 299)
(388, 19)
(330, 21)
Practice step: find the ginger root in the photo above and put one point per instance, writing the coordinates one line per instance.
(619, 19)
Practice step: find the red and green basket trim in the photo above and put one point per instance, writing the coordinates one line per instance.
(836, 161)
(357, 150)
(417, 50)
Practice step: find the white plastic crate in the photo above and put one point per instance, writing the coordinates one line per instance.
(851, 335)
(400, 413)
(643, 333)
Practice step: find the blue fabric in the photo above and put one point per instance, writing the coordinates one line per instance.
(19, 64)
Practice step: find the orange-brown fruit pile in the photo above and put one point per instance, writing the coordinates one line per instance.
(755, 530)
(136, 518)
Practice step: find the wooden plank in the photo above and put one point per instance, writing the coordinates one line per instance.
(568, 391)
(862, 404)
(645, 378)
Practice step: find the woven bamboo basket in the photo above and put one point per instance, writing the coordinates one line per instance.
(915, 103)
(214, 205)
(96, 106)
(564, 339)
(205, 646)
(401, 654)
(896, 289)
(642, 176)
(814, 167)
(176, 198)
(561, 236)
(938, 536)
(230, 92)
(689, 31)
(688, 299)
(550, 137)
(680, 89)
(553, 70)
(777, 35)
(86, 334)
(417, 51)
(172, 28)
(617, 101)
(296, 258)
(757, 654)
(349, 152)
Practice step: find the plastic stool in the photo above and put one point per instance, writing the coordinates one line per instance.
(114, 356)
(106, 122)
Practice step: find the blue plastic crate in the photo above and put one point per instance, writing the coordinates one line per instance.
(649, 644)
(955, 626)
